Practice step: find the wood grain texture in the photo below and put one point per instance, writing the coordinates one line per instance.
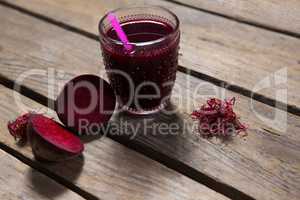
(19, 181)
(107, 170)
(264, 165)
(281, 15)
(239, 54)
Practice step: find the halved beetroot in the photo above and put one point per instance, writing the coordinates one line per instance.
(50, 141)
(85, 102)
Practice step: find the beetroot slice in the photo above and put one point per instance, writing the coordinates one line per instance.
(85, 101)
(53, 133)
(49, 140)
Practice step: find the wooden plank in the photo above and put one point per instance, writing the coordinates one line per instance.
(263, 165)
(275, 14)
(239, 54)
(19, 181)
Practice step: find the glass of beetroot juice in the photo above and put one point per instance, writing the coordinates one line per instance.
(143, 75)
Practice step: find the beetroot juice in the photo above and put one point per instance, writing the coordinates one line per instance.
(143, 78)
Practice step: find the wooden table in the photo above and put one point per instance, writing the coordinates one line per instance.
(246, 49)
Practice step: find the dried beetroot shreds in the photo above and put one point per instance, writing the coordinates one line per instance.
(217, 118)
(18, 127)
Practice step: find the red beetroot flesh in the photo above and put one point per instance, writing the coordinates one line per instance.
(75, 95)
(55, 134)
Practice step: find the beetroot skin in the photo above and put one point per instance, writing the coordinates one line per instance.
(84, 102)
(49, 140)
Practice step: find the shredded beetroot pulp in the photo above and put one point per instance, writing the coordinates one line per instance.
(217, 118)
(18, 127)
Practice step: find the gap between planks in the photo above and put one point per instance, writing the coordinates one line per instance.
(293, 109)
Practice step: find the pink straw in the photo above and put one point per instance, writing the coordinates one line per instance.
(121, 34)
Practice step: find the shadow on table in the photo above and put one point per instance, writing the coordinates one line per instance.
(47, 187)
(166, 131)
(90, 138)
(149, 135)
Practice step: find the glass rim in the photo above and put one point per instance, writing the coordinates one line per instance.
(101, 32)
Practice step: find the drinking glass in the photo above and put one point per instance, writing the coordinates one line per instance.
(143, 77)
